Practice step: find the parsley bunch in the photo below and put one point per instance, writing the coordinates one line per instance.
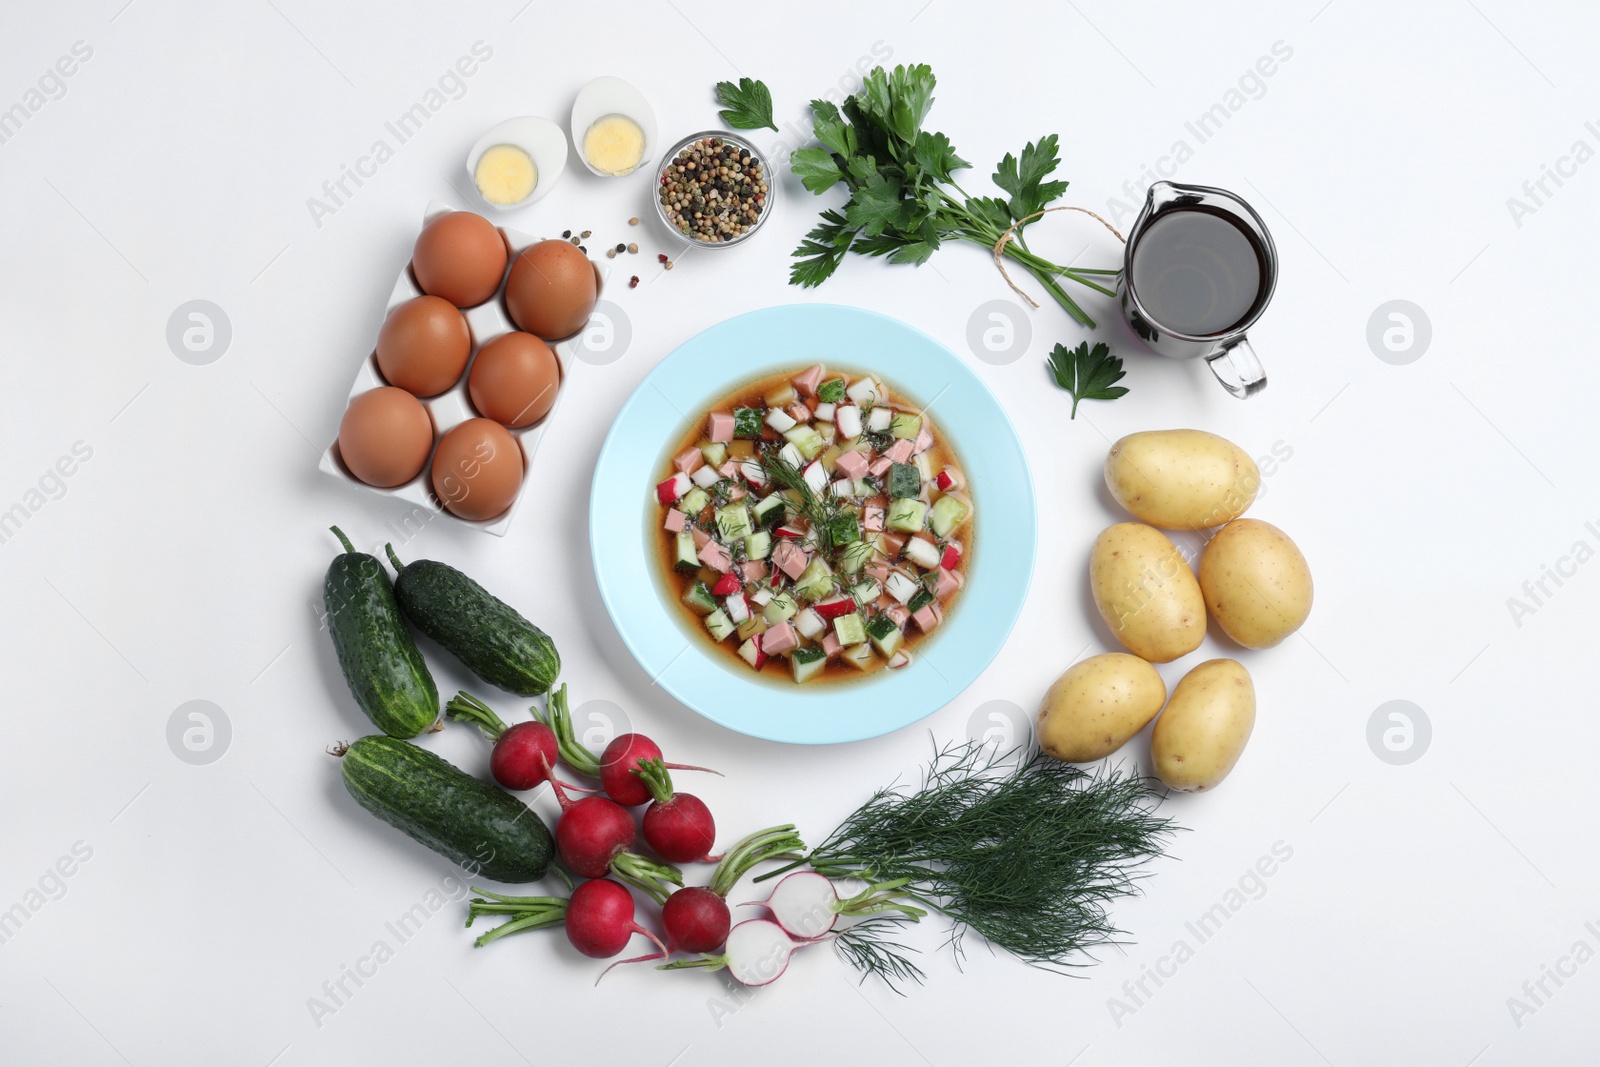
(904, 202)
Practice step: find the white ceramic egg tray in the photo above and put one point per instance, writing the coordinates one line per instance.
(453, 407)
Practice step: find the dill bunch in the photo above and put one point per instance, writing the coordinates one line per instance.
(1029, 854)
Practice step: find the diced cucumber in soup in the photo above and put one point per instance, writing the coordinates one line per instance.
(949, 512)
(755, 624)
(904, 482)
(719, 625)
(747, 422)
(844, 529)
(714, 453)
(908, 516)
(905, 426)
(816, 581)
(831, 391)
(782, 396)
(885, 635)
(768, 511)
(858, 656)
(699, 599)
(855, 557)
(867, 592)
(757, 545)
(807, 663)
(921, 600)
(850, 629)
(807, 440)
(694, 501)
(685, 557)
(733, 522)
(781, 607)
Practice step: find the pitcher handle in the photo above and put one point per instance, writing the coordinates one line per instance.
(1238, 368)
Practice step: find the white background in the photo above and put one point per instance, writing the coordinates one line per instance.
(184, 560)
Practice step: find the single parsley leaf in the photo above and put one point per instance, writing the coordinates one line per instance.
(816, 169)
(1024, 179)
(1088, 374)
(937, 156)
(830, 127)
(747, 106)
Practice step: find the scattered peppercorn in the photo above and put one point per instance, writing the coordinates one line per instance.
(633, 282)
(633, 250)
(566, 234)
(585, 233)
(713, 191)
(611, 253)
(574, 240)
(633, 221)
(582, 249)
(620, 248)
(661, 257)
(667, 264)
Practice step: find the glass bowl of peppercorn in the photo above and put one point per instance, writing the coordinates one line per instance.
(714, 189)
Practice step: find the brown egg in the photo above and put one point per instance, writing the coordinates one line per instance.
(384, 436)
(551, 290)
(477, 469)
(514, 380)
(461, 257)
(423, 345)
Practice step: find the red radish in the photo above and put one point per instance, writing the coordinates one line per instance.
(595, 836)
(835, 607)
(614, 767)
(807, 905)
(951, 559)
(523, 754)
(726, 585)
(695, 920)
(791, 532)
(673, 488)
(600, 919)
(756, 953)
(678, 826)
(947, 479)
(617, 763)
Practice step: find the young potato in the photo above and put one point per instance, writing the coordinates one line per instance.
(1255, 582)
(1181, 479)
(1098, 704)
(1146, 592)
(1200, 736)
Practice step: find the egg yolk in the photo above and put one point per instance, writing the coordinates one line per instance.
(614, 144)
(505, 174)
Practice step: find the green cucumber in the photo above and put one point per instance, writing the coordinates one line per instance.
(485, 633)
(469, 822)
(379, 659)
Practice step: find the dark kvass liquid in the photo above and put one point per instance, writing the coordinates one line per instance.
(1196, 272)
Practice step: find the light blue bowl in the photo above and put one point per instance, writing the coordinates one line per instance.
(624, 518)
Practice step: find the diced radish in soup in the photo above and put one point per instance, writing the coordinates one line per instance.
(948, 479)
(843, 487)
(721, 428)
(779, 639)
(848, 418)
(728, 583)
(806, 383)
(737, 607)
(716, 557)
(672, 490)
(753, 473)
(835, 606)
(951, 558)
(809, 623)
(825, 412)
(793, 533)
(923, 552)
(901, 586)
(762, 597)
(790, 456)
(880, 418)
(852, 465)
(752, 653)
(815, 476)
(706, 477)
(674, 521)
(780, 420)
(865, 392)
(901, 658)
(689, 460)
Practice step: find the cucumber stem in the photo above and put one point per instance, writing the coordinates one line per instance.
(464, 707)
(398, 566)
(343, 540)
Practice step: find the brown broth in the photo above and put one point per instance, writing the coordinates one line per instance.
(674, 584)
